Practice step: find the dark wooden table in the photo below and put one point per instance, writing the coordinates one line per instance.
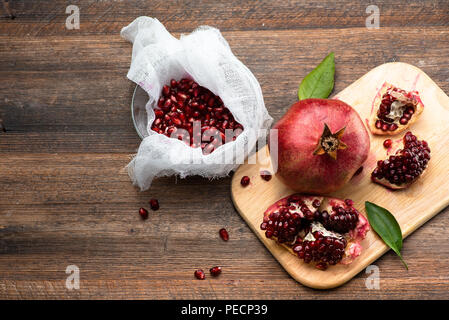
(65, 104)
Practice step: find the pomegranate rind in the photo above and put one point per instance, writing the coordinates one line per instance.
(354, 237)
(412, 96)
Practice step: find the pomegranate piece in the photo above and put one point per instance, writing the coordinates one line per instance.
(189, 112)
(199, 274)
(266, 175)
(215, 271)
(245, 181)
(154, 204)
(319, 230)
(321, 145)
(388, 143)
(394, 110)
(143, 213)
(405, 166)
(224, 234)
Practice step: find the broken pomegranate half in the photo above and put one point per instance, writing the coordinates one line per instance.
(405, 166)
(394, 110)
(319, 230)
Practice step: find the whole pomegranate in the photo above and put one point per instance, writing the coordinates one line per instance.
(321, 144)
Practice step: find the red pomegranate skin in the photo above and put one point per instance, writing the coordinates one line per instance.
(299, 132)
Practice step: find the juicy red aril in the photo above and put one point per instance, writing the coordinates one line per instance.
(406, 165)
(325, 250)
(224, 234)
(199, 274)
(341, 220)
(244, 181)
(184, 102)
(266, 175)
(215, 271)
(388, 143)
(154, 204)
(359, 171)
(143, 213)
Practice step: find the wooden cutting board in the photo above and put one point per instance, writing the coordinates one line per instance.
(411, 207)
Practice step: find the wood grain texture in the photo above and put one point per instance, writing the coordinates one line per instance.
(65, 105)
(411, 207)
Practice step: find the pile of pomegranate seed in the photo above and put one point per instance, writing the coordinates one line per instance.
(385, 122)
(199, 274)
(184, 102)
(266, 175)
(224, 234)
(215, 271)
(244, 181)
(143, 213)
(406, 165)
(154, 204)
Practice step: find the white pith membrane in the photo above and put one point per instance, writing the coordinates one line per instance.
(317, 226)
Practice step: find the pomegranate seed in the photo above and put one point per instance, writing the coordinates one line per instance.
(266, 175)
(143, 213)
(215, 271)
(154, 204)
(182, 102)
(199, 274)
(245, 181)
(387, 143)
(349, 202)
(224, 234)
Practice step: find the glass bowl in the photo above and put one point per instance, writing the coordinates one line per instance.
(139, 112)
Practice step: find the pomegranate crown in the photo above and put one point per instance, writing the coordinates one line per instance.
(330, 142)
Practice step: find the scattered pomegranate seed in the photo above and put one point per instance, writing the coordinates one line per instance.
(215, 271)
(266, 175)
(245, 181)
(154, 204)
(224, 234)
(199, 274)
(387, 143)
(143, 213)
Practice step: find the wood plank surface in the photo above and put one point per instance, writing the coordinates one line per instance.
(65, 106)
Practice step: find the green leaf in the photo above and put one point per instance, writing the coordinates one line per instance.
(386, 226)
(320, 81)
